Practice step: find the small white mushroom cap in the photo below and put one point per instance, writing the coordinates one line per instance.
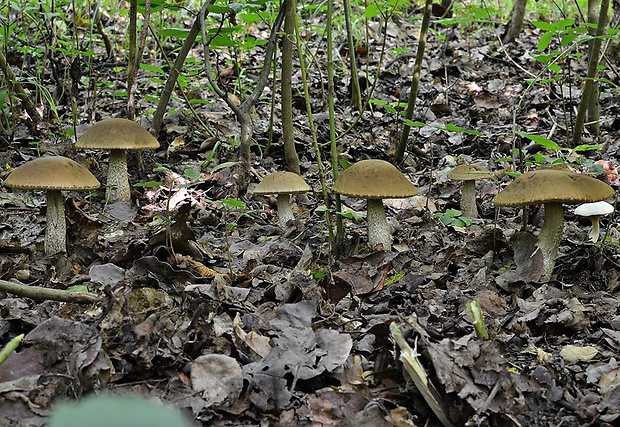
(594, 211)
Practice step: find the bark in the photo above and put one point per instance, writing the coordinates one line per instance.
(589, 89)
(288, 136)
(174, 73)
(16, 88)
(415, 81)
(242, 112)
(40, 293)
(516, 23)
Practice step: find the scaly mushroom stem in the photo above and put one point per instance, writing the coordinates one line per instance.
(468, 199)
(285, 213)
(379, 232)
(550, 237)
(118, 189)
(596, 228)
(56, 226)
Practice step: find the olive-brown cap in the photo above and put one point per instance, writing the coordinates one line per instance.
(553, 186)
(117, 134)
(374, 179)
(52, 173)
(468, 173)
(281, 183)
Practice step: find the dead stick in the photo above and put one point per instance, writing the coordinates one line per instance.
(40, 293)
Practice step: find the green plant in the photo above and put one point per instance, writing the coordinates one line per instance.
(115, 411)
(453, 218)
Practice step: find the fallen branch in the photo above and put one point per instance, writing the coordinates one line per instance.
(40, 293)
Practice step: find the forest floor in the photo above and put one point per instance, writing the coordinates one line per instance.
(239, 322)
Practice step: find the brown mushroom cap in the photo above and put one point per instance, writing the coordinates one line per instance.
(117, 134)
(52, 173)
(281, 183)
(374, 179)
(469, 173)
(553, 186)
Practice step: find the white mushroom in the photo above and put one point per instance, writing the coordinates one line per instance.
(594, 211)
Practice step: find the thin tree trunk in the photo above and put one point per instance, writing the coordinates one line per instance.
(173, 75)
(593, 60)
(132, 60)
(593, 99)
(242, 112)
(16, 88)
(288, 136)
(356, 93)
(516, 23)
(332, 122)
(415, 81)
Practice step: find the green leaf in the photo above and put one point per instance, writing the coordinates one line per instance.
(453, 128)
(544, 25)
(563, 23)
(223, 166)
(99, 411)
(414, 124)
(214, 8)
(587, 147)
(191, 173)
(350, 215)
(223, 41)
(175, 32)
(148, 184)
(544, 41)
(233, 203)
(153, 68)
(371, 11)
(545, 142)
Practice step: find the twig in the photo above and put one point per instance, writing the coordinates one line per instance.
(40, 293)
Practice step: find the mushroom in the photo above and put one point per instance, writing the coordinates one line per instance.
(594, 211)
(53, 174)
(469, 174)
(552, 188)
(375, 180)
(118, 136)
(283, 184)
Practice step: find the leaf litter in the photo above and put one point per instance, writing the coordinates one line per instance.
(210, 308)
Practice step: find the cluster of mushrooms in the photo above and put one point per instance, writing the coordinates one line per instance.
(56, 173)
(373, 180)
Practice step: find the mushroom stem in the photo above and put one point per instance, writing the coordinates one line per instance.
(378, 229)
(596, 228)
(56, 226)
(550, 236)
(285, 213)
(118, 189)
(468, 199)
